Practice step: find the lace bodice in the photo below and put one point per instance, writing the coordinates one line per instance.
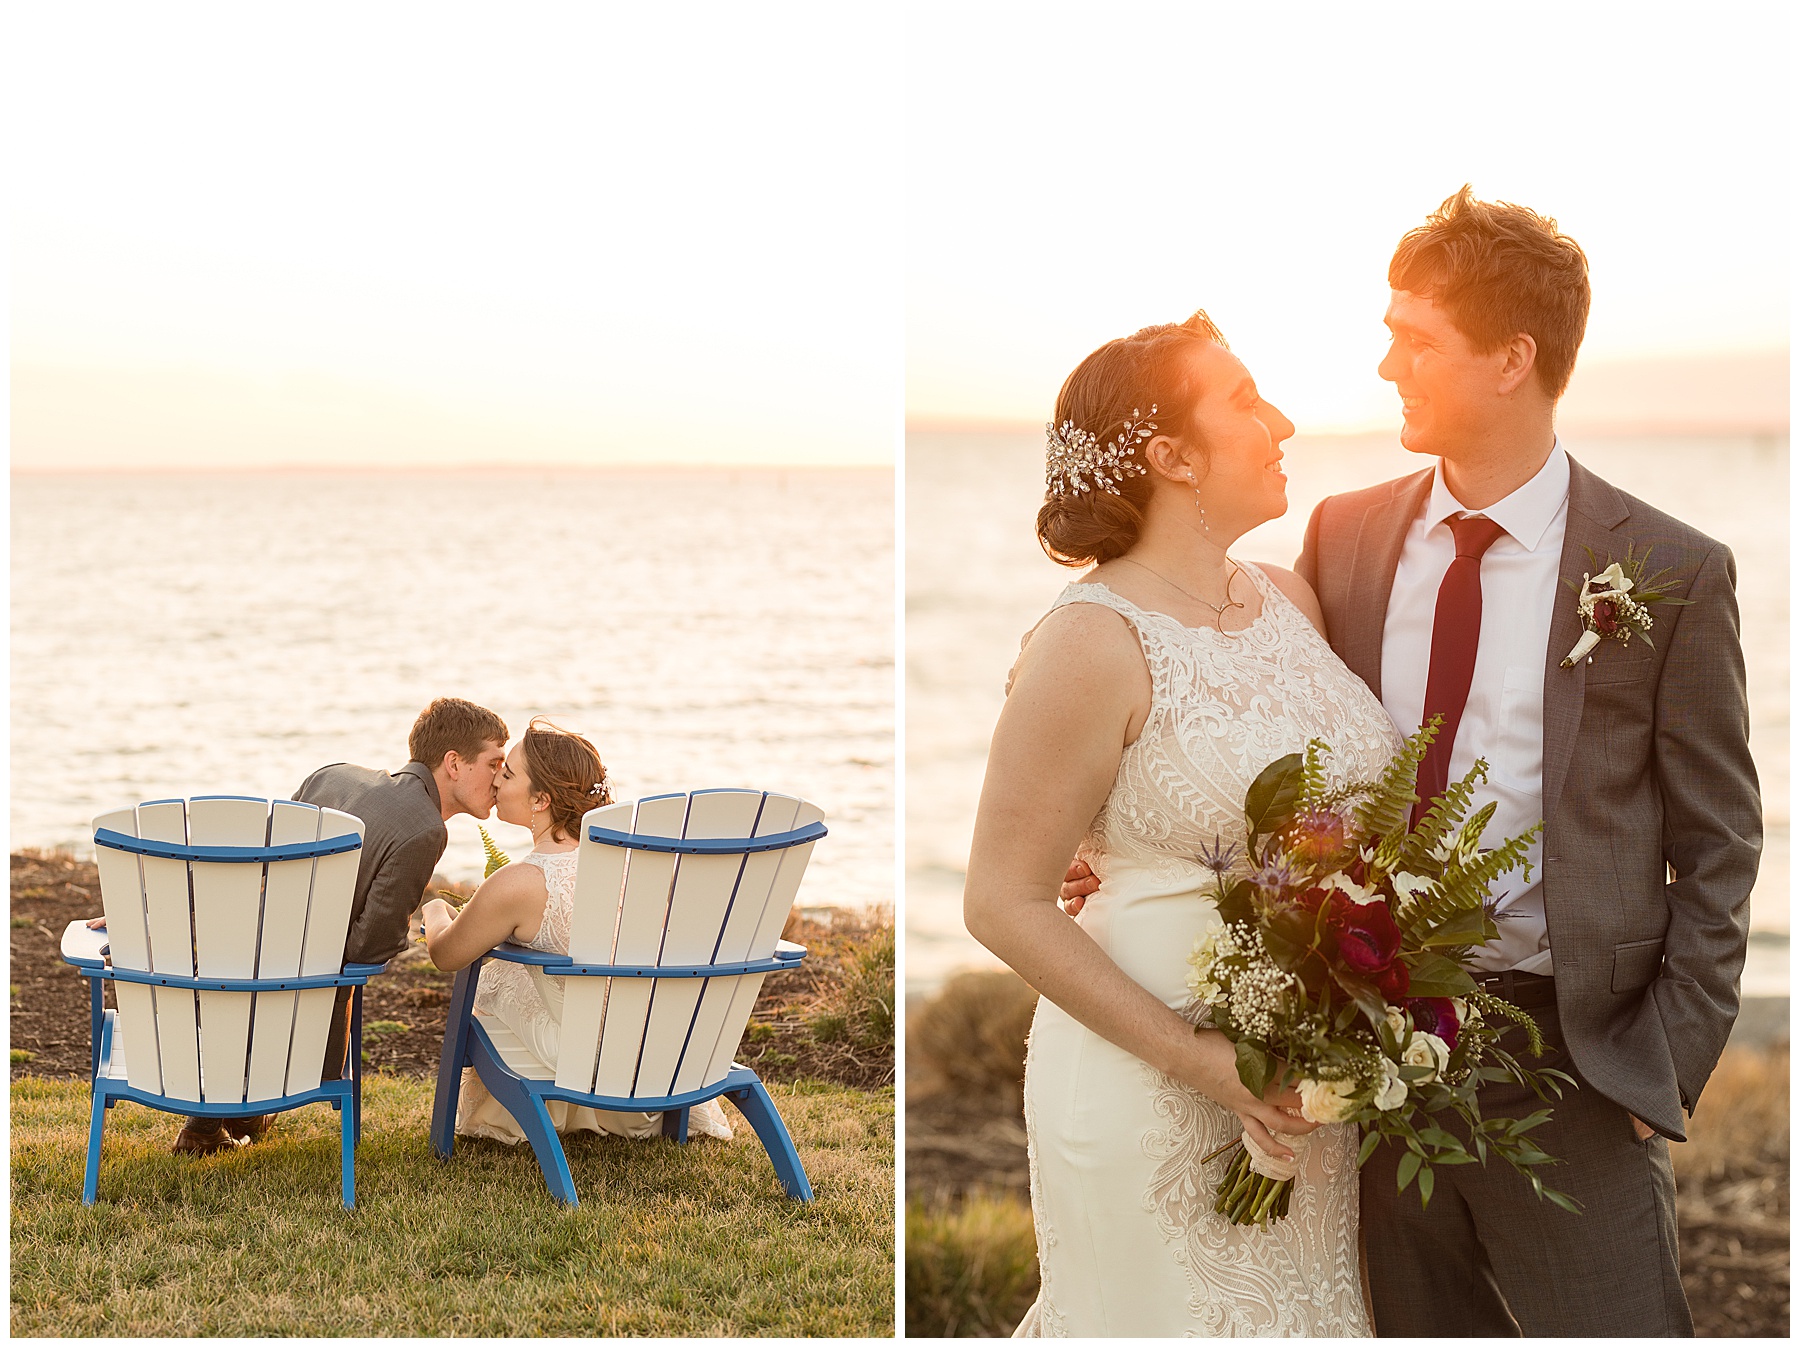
(1223, 706)
(559, 879)
(523, 996)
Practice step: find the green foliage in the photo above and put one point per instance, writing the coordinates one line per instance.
(22, 1055)
(18, 922)
(1270, 802)
(495, 857)
(868, 996)
(1255, 1066)
(971, 1267)
(379, 1029)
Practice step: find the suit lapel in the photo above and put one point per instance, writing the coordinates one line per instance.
(1380, 536)
(1595, 510)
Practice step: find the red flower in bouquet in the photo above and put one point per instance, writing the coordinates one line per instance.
(1606, 617)
(1368, 943)
(1436, 1015)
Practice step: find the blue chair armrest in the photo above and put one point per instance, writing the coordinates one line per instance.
(83, 946)
(364, 970)
(789, 953)
(518, 954)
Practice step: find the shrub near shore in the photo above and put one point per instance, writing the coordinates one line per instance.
(971, 1255)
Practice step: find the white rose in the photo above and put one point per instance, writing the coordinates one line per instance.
(1327, 1101)
(1426, 1050)
(1391, 1094)
(1464, 1012)
(1397, 1022)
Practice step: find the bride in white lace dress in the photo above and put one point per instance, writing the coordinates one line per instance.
(1143, 706)
(550, 779)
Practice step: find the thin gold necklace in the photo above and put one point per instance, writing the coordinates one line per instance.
(1219, 610)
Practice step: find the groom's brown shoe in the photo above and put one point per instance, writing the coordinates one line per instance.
(251, 1129)
(202, 1137)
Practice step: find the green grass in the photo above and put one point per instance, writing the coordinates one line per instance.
(971, 1269)
(680, 1241)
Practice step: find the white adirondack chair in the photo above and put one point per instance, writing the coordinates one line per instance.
(679, 905)
(225, 925)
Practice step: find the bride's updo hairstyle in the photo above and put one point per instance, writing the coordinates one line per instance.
(568, 768)
(1147, 369)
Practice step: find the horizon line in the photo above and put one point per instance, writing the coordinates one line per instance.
(473, 469)
(1663, 427)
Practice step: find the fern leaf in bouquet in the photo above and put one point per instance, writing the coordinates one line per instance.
(495, 857)
(1385, 811)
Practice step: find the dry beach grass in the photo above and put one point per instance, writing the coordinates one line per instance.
(970, 1251)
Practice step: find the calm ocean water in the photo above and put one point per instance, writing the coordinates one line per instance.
(188, 633)
(976, 581)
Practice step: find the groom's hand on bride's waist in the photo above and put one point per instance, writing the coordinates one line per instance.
(1078, 882)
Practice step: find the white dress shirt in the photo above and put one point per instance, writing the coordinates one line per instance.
(1503, 720)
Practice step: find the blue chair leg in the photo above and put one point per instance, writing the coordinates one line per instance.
(675, 1124)
(757, 1107)
(534, 1120)
(90, 1184)
(347, 1134)
(356, 1063)
(454, 1058)
(96, 1014)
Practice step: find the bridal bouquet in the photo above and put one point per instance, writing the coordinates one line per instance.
(1339, 955)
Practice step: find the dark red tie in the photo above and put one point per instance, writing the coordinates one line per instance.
(1455, 631)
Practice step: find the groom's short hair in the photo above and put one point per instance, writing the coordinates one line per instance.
(451, 723)
(1498, 270)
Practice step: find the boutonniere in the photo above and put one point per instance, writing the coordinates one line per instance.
(1615, 604)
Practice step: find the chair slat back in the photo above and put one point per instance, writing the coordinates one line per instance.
(643, 909)
(654, 1037)
(227, 912)
(593, 927)
(169, 916)
(765, 897)
(705, 887)
(128, 933)
(322, 949)
(228, 920)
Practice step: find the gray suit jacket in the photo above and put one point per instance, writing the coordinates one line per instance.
(403, 839)
(1653, 822)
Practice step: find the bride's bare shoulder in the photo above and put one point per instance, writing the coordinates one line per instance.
(1297, 590)
(1079, 642)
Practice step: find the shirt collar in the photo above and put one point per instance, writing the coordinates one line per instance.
(1526, 514)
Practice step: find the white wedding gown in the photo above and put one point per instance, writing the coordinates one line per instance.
(1128, 1243)
(529, 1004)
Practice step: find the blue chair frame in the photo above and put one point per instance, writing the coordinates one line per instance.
(467, 1044)
(88, 949)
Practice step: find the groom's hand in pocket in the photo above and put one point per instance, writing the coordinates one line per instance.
(1643, 1130)
(1078, 882)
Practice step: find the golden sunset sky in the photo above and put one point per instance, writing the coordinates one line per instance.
(1075, 174)
(409, 234)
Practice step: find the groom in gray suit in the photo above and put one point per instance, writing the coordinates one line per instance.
(456, 748)
(1450, 592)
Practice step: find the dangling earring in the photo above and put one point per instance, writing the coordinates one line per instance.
(1205, 528)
